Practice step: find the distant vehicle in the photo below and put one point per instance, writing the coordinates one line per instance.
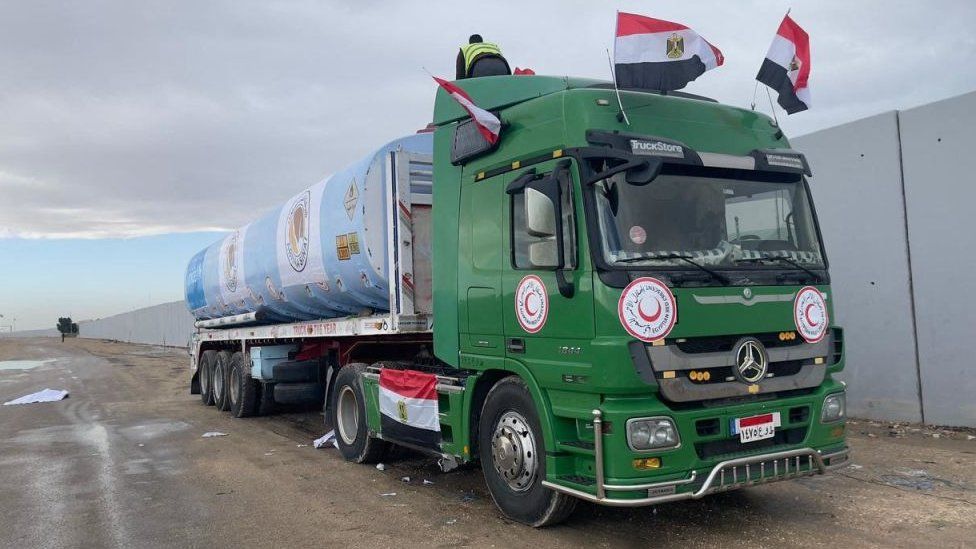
(624, 314)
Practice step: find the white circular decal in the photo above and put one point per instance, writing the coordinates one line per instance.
(810, 314)
(638, 235)
(647, 309)
(531, 304)
(296, 248)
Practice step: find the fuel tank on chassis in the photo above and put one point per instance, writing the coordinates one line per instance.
(321, 254)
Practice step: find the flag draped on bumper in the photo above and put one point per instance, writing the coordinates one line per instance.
(660, 55)
(786, 68)
(408, 407)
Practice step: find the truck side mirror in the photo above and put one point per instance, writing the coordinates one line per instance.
(540, 213)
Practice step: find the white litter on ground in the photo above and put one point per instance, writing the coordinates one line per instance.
(47, 395)
(404, 479)
(380, 467)
(325, 439)
(212, 434)
(428, 482)
(388, 494)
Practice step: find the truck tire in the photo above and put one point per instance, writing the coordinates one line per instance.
(348, 416)
(220, 380)
(242, 390)
(205, 376)
(512, 451)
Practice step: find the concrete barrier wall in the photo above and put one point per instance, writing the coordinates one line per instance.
(167, 324)
(895, 196)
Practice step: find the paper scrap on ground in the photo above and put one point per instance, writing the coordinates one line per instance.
(381, 467)
(47, 395)
(212, 434)
(326, 439)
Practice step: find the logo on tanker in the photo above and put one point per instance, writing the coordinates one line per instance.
(810, 314)
(531, 304)
(296, 248)
(647, 309)
(230, 262)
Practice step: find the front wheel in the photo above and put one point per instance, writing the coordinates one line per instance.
(512, 452)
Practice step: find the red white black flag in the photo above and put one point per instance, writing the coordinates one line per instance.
(659, 55)
(408, 407)
(488, 124)
(786, 68)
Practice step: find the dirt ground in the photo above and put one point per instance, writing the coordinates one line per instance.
(122, 463)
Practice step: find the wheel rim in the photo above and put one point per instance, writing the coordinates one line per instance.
(235, 384)
(347, 415)
(513, 451)
(218, 381)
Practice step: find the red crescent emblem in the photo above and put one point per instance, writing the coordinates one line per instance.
(526, 304)
(652, 318)
(806, 313)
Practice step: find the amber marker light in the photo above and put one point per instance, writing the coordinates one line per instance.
(647, 463)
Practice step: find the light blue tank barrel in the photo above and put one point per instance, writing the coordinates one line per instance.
(321, 254)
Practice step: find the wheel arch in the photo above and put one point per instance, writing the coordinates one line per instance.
(487, 379)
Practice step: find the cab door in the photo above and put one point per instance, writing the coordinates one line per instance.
(546, 284)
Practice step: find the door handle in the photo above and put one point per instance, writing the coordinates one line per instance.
(515, 344)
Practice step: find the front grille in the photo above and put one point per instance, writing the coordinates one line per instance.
(731, 447)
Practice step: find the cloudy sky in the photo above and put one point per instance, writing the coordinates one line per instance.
(126, 119)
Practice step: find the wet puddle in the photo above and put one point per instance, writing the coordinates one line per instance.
(22, 364)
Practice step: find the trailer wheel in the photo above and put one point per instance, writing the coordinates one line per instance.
(242, 390)
(220, 380)
(512, 452)
(205, 377)
(348, 416)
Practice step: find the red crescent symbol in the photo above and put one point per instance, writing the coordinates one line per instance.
(525, 302)
(652, 318)
(806, 313)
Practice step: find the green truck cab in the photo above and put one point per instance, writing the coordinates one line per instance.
(658, 285)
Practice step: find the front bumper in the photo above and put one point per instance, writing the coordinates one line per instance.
(726, 475)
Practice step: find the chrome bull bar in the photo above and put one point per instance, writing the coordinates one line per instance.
(726, 475)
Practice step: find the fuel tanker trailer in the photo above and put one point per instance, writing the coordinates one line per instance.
(626, 310)
(321, 254)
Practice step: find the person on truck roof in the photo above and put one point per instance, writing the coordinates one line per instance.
(480, 58)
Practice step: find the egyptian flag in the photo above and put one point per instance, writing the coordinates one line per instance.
(659, 55)
(786, 68)
(488, 124)
(408, 407)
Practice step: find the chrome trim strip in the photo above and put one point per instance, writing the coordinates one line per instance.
(741, 300)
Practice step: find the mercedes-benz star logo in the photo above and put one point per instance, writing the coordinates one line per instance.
(750, 361)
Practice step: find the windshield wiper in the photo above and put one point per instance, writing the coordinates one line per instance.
(686, 258)
(816, 277)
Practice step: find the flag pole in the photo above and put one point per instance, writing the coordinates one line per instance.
(613, 73)
(621, 115)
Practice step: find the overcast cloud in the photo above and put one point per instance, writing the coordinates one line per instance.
(133, 118)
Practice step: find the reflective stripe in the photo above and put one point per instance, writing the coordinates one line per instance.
(471, 51)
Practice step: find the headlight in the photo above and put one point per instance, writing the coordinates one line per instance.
(651, 434)
(834, 408)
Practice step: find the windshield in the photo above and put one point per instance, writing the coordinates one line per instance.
(736, 221)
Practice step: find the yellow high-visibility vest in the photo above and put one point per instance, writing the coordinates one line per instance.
(472, 51)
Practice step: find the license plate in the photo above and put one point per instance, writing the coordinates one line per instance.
(753, 428)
